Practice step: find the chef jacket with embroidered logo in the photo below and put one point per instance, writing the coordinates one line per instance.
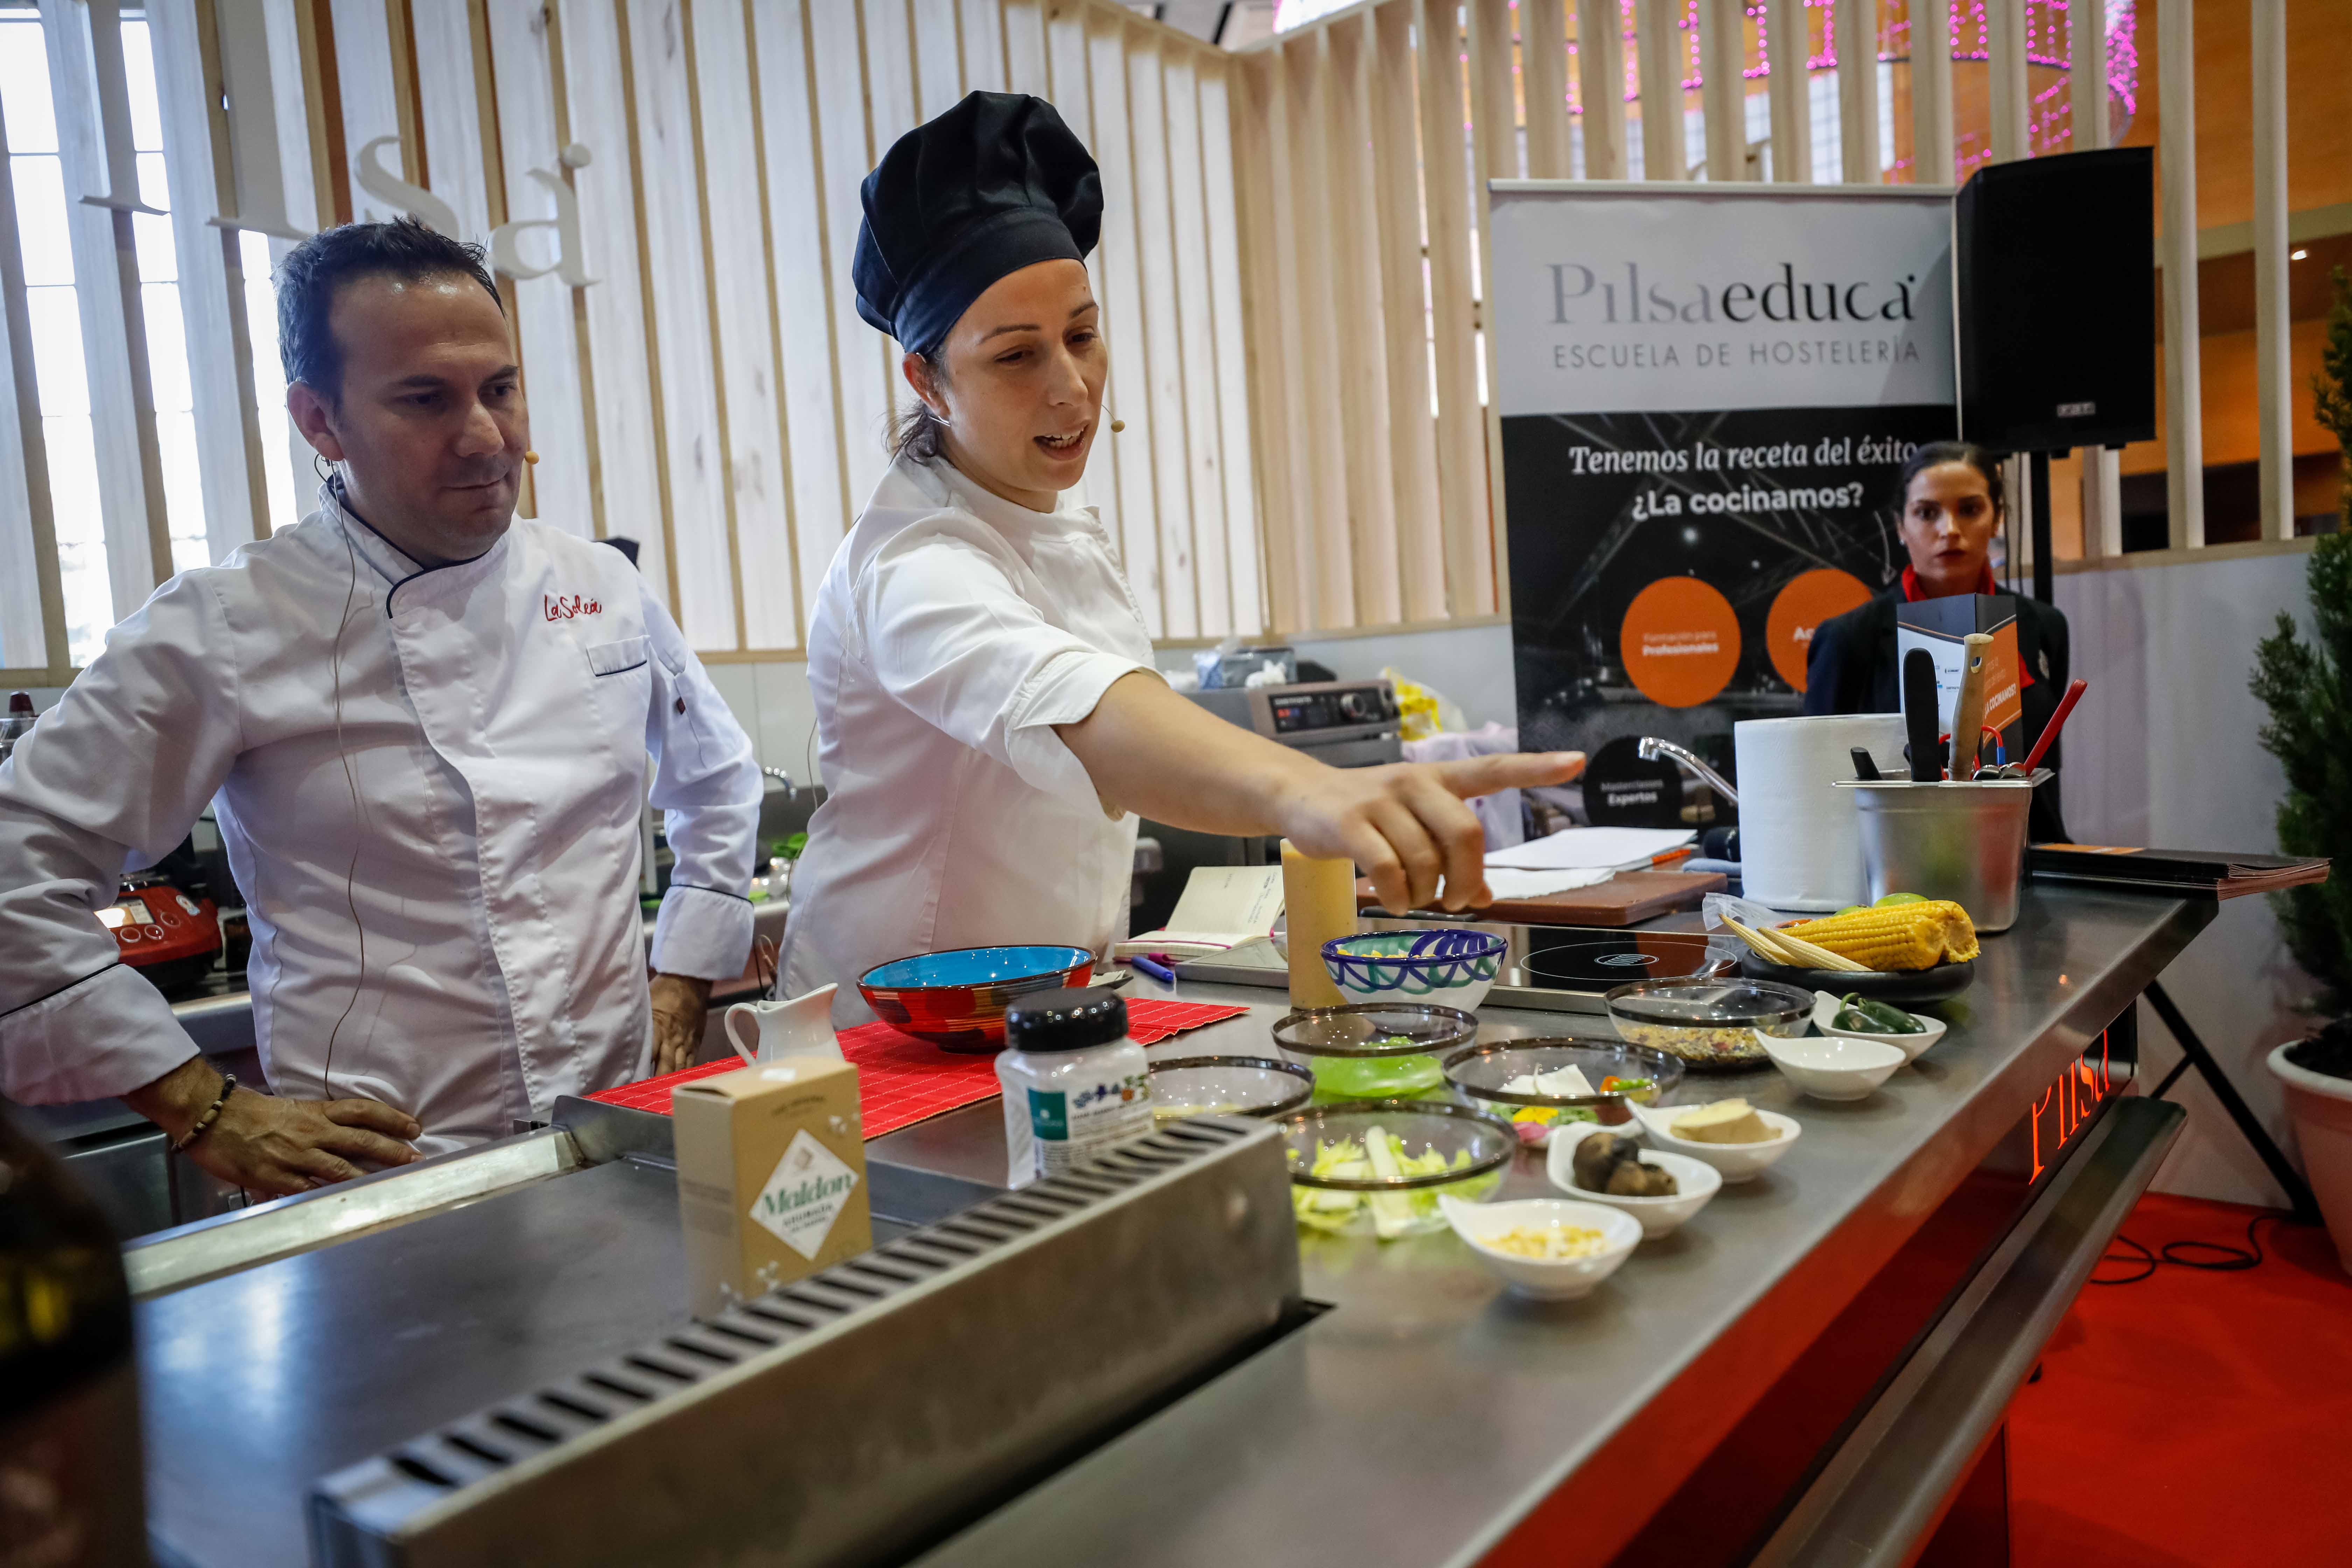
(953, 630)
(495, 719)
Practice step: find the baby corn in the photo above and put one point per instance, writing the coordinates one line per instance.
(1906, 936)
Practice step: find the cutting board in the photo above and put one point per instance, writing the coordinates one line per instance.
(1627, 899)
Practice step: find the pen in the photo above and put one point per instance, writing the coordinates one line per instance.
(1159, 972)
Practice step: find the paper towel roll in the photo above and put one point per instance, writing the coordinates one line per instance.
(1800, 841)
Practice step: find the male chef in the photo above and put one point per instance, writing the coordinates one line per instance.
(423, 726)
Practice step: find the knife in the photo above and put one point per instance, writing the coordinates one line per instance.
(1919, 715)
(1967, 708)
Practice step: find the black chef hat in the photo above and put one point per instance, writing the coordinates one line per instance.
(996, 183)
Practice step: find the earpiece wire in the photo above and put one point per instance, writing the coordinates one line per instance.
(343, 754)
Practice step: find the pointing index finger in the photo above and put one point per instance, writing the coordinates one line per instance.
(1523, 769)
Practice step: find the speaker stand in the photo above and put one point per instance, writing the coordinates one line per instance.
(2037, 464)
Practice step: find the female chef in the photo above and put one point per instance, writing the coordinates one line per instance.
(1952, 502)
(989, 721)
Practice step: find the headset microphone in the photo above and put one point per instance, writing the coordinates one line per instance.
(531, 457)
(1117, 425)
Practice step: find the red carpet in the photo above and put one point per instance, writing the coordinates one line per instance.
(2194, 1418)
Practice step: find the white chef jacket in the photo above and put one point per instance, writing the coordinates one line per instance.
(952, 632)
(442, 876)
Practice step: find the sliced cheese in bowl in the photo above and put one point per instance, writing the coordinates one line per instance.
(1724, 1121)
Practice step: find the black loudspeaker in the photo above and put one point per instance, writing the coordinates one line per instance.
(2055, 301)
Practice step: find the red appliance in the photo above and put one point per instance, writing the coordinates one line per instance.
(167, 936)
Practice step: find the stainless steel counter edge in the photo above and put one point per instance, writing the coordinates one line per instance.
(1890, 1482)
(1424, 1377)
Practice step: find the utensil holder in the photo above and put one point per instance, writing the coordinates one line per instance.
(1965, 842)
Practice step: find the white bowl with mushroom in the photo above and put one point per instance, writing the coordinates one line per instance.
(1696, 1182)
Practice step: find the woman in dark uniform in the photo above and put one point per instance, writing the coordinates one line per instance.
(1952, 507)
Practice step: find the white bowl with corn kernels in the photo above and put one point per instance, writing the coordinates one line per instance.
(1549, 1249)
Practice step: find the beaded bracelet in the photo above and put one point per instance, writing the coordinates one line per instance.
(228, 1087)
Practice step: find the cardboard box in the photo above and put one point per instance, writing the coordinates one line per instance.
(770, 1177)
(1938, 626)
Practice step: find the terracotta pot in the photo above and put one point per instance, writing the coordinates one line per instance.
(2321, 1109)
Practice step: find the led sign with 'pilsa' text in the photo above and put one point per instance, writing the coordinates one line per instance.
(2068, 1103)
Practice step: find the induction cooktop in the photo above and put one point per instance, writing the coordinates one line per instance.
(1559, 969)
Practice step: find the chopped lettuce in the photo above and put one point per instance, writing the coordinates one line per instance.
(1379, 1156)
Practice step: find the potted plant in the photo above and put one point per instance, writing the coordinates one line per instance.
(2308, 689)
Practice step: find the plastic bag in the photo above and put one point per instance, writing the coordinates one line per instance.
(1748, 912)
(1422, 710)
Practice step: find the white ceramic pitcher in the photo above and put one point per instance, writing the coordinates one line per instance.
(762, 1031)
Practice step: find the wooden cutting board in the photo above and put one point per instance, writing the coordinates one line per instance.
(1627, 899)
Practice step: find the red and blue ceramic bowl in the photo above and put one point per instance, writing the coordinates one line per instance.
(957, 999)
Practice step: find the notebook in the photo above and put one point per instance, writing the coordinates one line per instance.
(2213, 873)
(1222, 907)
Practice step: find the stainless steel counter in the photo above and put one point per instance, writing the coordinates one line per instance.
(1429, 1415)
(1421, 1421)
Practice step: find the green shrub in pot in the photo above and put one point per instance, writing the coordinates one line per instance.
(2307, 687)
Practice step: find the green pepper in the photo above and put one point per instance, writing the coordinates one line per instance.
(1881, 1019)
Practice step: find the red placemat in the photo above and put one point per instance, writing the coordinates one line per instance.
(902, 1081)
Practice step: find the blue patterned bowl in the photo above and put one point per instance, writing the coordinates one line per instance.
(957, 999)
(1452, 967)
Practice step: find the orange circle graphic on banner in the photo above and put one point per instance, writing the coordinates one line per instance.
(1810, 598)
(1680, 642)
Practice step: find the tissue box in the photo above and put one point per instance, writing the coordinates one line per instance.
(770, 1177)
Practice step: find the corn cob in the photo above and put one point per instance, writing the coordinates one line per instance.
(1908, 936)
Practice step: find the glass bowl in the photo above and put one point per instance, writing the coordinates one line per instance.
(1452, 967)
(1375, 1050)
(1482, 1072)
(1227, 1085)
(957, 999)
(1464, 1153)
(1707, 1022)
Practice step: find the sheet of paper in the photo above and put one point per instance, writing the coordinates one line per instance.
(1592, 848)
(1504, 882)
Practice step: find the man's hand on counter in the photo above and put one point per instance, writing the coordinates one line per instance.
(680, 1003)
(269, 1144)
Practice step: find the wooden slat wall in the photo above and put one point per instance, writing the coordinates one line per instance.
(1363, 147)
(1129, 485)
(617, 371)
(1291, 267)
(533, 137)
(1377, 471)
(712, 392)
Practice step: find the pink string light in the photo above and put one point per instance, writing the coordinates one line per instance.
(2050, 123)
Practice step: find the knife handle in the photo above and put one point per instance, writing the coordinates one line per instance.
(1967, 708)
(1920, 723)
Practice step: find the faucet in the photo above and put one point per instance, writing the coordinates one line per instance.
(1651, 749)
(782, 778)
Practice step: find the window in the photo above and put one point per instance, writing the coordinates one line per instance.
(44, 240)
(159, 297)
(129, 318)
